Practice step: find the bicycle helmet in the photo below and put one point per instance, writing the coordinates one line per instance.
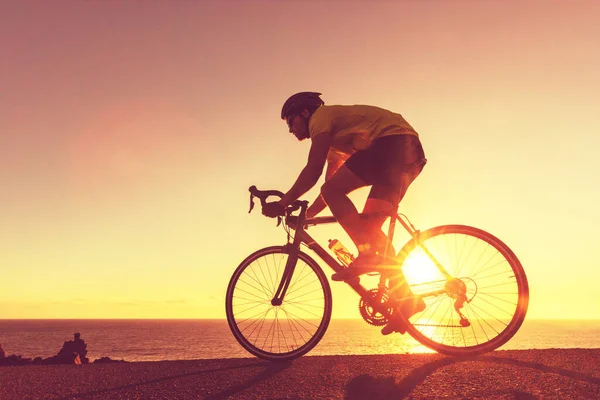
(300, 101)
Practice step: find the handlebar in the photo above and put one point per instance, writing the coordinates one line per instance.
(262, 195)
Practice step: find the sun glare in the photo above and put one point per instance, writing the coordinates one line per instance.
(419, 269)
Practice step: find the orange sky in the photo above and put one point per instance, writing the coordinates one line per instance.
(130, 132)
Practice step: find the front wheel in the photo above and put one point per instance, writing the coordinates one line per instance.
(278, 332)
(482, 301)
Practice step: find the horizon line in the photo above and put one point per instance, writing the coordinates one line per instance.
(225, 319)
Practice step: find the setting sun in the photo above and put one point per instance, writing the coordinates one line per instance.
(420, 270)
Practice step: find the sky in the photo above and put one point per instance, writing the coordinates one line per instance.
(131, 131)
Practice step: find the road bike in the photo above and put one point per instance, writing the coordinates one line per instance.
(279, 302)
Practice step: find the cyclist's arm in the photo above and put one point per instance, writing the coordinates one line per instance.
(312, 171)
(334, 162)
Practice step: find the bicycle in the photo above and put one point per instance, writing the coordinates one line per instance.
(279, 302)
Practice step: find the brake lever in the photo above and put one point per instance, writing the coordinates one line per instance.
(251, 203)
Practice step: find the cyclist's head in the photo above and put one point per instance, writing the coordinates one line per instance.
(302, 105)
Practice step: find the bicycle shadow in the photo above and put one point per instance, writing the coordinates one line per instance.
(270, 370)
(366, 386)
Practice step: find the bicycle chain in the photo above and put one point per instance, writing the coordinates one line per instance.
(439, 326)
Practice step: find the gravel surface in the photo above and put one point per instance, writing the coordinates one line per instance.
(516, 374)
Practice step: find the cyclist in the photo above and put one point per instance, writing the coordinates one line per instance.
(362, 146)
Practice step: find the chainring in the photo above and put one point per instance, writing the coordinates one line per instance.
(370, 316)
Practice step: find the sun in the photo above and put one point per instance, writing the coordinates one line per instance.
(420, 270)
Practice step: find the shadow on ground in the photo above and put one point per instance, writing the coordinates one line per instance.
(270, 370)
(368, 387)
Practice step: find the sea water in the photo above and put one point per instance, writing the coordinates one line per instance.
(153, 340)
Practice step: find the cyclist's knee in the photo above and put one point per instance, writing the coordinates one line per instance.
(375, 204)
(329, 190)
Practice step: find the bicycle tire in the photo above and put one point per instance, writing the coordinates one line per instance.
(262, 271)
(509, 299)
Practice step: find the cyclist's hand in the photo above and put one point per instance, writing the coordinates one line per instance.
(292, 221)
(273, 209)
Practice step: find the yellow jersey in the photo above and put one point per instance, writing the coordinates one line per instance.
(354, 128)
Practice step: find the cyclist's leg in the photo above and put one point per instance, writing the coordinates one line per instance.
(382, 200)
(392, 194)
(401, 161)
(335, 193)
(392, 173)
(398, 289)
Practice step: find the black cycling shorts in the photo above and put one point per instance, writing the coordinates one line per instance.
(390, 164)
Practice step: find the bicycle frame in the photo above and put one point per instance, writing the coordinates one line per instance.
(301, 236)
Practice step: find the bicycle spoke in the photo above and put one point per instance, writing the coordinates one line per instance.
(512, 283)
(251, 294)
(259, 325)
(306, 312)
(299, 278)
(294, 324)
(479, 278)
(299, 288)
(484, 264)
(303, 294)
(487, 269)
(482, 310)
(266, 289)
(302, 319)
(478, 261)
(271, 279)
(497, 307)
(249, 301)
(459, 269)
(291, 330)
(253, 316)
(306, 303)
(474, 334)
(242, 311)
(512, 303)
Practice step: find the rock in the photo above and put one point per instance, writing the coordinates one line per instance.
(77, 346)
(73, 352)
(107, 360)
(12, 360)
(63, 358)
(15, 360)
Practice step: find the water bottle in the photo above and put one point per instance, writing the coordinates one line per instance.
(341, 252)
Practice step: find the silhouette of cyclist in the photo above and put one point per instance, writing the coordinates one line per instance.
(363, 146)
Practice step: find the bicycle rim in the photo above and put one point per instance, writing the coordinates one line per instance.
(485, 270)
(278, 333)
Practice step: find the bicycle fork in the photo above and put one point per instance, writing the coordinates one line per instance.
(290, 265)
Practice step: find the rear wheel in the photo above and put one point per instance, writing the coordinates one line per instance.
(483, 303)
(278, 332)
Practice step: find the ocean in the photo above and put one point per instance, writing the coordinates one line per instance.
(154, 340)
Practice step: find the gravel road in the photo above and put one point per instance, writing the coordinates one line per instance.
(524, 374)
